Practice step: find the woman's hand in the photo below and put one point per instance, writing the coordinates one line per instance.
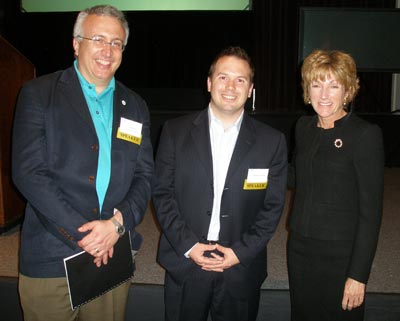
(353, 295)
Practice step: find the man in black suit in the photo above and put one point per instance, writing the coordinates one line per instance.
(219, 194)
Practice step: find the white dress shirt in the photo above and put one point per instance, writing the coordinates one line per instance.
(222, 144)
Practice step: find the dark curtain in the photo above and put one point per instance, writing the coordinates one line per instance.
(277, 80)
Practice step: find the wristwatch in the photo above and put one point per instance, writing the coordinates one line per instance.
(120, 229)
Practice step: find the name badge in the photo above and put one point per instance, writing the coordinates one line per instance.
(130, 131)
(257, 179)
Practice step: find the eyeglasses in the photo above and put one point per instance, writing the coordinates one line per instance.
(99, 42)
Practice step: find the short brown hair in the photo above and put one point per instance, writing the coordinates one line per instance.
(320, 64)
(237, 52)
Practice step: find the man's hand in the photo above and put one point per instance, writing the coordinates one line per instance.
(197, 255)
(228, 257)
(353, 294)
(100, 241)
(104, 259)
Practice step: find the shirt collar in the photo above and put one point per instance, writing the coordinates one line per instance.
(87, 85)
(213, 120)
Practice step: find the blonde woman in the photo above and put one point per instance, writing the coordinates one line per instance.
(338, 180)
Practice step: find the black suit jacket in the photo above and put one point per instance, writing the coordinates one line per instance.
(339, 186)
(55, 155)
(183, 196)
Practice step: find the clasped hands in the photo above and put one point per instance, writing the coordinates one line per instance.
(213, 262)
(101, 239)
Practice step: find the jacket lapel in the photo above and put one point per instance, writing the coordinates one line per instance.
(200, 134)
(119, 104)
(74, 95)
(244, 142)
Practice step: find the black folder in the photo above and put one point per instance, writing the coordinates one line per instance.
(86, 281)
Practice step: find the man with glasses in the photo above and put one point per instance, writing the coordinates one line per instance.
(83, 159)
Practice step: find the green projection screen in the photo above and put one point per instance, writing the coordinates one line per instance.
(127, 5)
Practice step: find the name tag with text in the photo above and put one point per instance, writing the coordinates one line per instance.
(257, 179)
(130, 131)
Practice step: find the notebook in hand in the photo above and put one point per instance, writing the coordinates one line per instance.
(86, 281)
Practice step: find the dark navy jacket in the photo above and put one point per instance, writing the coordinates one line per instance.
(54, 165)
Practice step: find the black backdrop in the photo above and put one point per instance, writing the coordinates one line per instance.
(276, 52)
(174, 49)
(169, 53)
(165, 49)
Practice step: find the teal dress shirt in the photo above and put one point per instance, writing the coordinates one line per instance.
(101, 110)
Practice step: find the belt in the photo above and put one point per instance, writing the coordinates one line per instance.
(210, 242)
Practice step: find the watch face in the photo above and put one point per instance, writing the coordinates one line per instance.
(121, 230)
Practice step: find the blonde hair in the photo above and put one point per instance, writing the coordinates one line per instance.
(320, 64)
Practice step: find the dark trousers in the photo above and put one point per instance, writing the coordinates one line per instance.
(317, 274)
(204, 293)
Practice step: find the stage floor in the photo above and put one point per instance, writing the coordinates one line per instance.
(385, 275)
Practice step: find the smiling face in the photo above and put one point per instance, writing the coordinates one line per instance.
(327, 97)
(98, 64)
(230, 86)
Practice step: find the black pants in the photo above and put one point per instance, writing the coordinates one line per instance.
(317, 275)
(205, 293)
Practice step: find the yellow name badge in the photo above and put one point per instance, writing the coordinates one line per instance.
(254, 186)
(129, 138)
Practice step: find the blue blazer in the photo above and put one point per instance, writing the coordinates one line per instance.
(183, 197)
(54, 165)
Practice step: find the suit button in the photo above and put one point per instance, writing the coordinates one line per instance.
(91, 179)
(94, 147)
(209, 213)
(95, 210)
